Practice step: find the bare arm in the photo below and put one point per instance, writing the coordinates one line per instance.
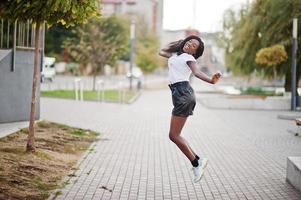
(164, 53)
(197, 73)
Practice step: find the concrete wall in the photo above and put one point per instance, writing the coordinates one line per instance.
(15, 87)
(293, 171)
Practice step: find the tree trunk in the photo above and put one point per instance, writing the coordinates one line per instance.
(30, 140)
(94, 77)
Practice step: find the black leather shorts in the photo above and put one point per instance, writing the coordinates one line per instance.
(183, 99)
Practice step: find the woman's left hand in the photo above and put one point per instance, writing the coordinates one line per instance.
(216, 77)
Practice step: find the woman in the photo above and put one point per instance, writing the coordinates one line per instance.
(182, 57)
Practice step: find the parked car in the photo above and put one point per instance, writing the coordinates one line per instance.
(48, 70)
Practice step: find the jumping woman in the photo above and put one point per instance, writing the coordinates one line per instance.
(182, 57)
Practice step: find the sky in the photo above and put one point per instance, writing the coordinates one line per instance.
(179, 14)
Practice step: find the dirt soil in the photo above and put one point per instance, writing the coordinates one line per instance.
(34, 176)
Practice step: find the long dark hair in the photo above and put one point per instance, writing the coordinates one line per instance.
(177, 46)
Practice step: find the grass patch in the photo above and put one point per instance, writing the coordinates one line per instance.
(260, 91)
(57, 193)
(79, 133)
(82, 133)
(109, 95)
(35, 175)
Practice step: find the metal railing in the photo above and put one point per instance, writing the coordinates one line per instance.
(19, 35)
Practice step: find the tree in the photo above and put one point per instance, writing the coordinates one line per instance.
(237, 27)
(53, 11)
(147, 58)
(55, 36)
(147, 47)
(101, 42)
(271, 56)
(278, 30)
(258, 25)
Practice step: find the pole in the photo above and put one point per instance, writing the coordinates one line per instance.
(294, 65)
(14, 47)
(132, 43)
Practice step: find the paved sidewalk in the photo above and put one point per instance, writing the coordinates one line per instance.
(9, 128)
(247, 151)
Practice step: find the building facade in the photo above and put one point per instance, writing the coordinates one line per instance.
(151, 10)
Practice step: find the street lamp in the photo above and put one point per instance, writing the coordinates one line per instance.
(294, 65)
(132, 44)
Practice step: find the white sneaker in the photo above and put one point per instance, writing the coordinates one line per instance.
(198, 172)
(204, 163)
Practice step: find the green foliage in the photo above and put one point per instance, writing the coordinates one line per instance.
(56, 13)
(99, 42)
(260, 24)
(54, 39)
(271, 56)
(52, 11)
(147, 58)
(147, 47)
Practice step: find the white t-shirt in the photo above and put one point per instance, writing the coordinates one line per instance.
(178, 70)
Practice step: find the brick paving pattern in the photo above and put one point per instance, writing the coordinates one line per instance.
(134, 159)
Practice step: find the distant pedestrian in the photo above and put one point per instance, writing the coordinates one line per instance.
(182, 57)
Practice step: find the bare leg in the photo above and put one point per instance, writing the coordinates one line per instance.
(176, 125)
(185, 139)
(189, 146)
